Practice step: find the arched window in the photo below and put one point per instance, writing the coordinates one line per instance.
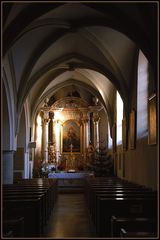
(119, 118)
(109, 138)
(142, 96)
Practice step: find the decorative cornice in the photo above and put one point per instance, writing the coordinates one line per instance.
(96, 108)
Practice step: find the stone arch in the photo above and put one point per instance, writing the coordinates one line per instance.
(8, 112)
(87, 63)
(8, 138)
(6, 122)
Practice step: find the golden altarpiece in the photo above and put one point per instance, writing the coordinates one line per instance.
(63, 133)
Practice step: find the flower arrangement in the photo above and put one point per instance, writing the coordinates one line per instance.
(61, 166)
(80, 167)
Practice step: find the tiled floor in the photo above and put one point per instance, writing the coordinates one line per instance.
(69, 218)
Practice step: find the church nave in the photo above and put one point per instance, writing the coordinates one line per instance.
(70, 218)
(80, 104)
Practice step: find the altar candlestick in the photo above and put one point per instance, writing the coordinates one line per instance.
(71, 147)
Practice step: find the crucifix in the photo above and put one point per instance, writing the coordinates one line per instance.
(71, 147)
(71, 158)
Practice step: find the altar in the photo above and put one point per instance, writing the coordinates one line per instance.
(68, 181)
(68, 175)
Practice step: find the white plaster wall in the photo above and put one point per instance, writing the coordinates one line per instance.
(141, 164)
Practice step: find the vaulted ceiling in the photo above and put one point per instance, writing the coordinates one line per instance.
(91, 48)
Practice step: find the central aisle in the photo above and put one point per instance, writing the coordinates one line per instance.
(69, 217)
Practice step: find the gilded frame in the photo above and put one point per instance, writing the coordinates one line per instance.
(124, 133)
(132, 129)
(67, 141)
(152, 120)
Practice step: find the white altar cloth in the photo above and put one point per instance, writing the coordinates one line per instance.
(68, 175)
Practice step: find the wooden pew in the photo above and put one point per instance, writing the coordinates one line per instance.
(13, 225)
(124, 194)
(93, 192)
(98, 189)
(8, 234)
(31, 210)
(132, 225)
(52, 183)
(42, 192)
(125, 234)
(117, 192)
(104, 184)
(49, 198)
(131, 206)
(31, 193)
(22, 197)
(25, 195)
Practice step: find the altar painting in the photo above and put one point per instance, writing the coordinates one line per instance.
(71, 137)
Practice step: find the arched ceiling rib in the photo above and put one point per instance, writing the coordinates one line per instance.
(113, 66)
(84, 78)
(52, 74)
(90, 77)
(48, 41)
(93, 41)
(116, 14)
(87, 91)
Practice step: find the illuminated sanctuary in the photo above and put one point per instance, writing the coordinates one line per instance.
(87, 83)
(63, 131)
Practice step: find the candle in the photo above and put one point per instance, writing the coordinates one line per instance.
(71, 147)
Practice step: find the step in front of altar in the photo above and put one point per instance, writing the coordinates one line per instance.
(70, 184)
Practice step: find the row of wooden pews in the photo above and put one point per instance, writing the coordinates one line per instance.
(27, 205)
(117, 206)
(144, 235)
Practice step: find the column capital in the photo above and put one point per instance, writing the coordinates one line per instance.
(45, 117)
(44, 113)
(96, 119)
(51, 115)
(85, 120)
(46, 121)
(95, 109)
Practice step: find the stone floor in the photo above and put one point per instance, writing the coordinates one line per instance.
(69, 218)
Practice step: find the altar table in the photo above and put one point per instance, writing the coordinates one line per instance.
(68, 175)
(70, 180)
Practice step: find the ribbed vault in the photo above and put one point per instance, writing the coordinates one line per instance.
(50, 46)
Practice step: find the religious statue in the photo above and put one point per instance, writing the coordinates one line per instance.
(71, 159)
(51, 154)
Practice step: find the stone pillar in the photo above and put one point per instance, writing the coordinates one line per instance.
(45, 122)
(53, 131)
(51, 114)
(58, 139)
(96, 130)
(89, 131)
(85, 136)
(30, 169)
(86, 132)
(8, 167)
(26, 165)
